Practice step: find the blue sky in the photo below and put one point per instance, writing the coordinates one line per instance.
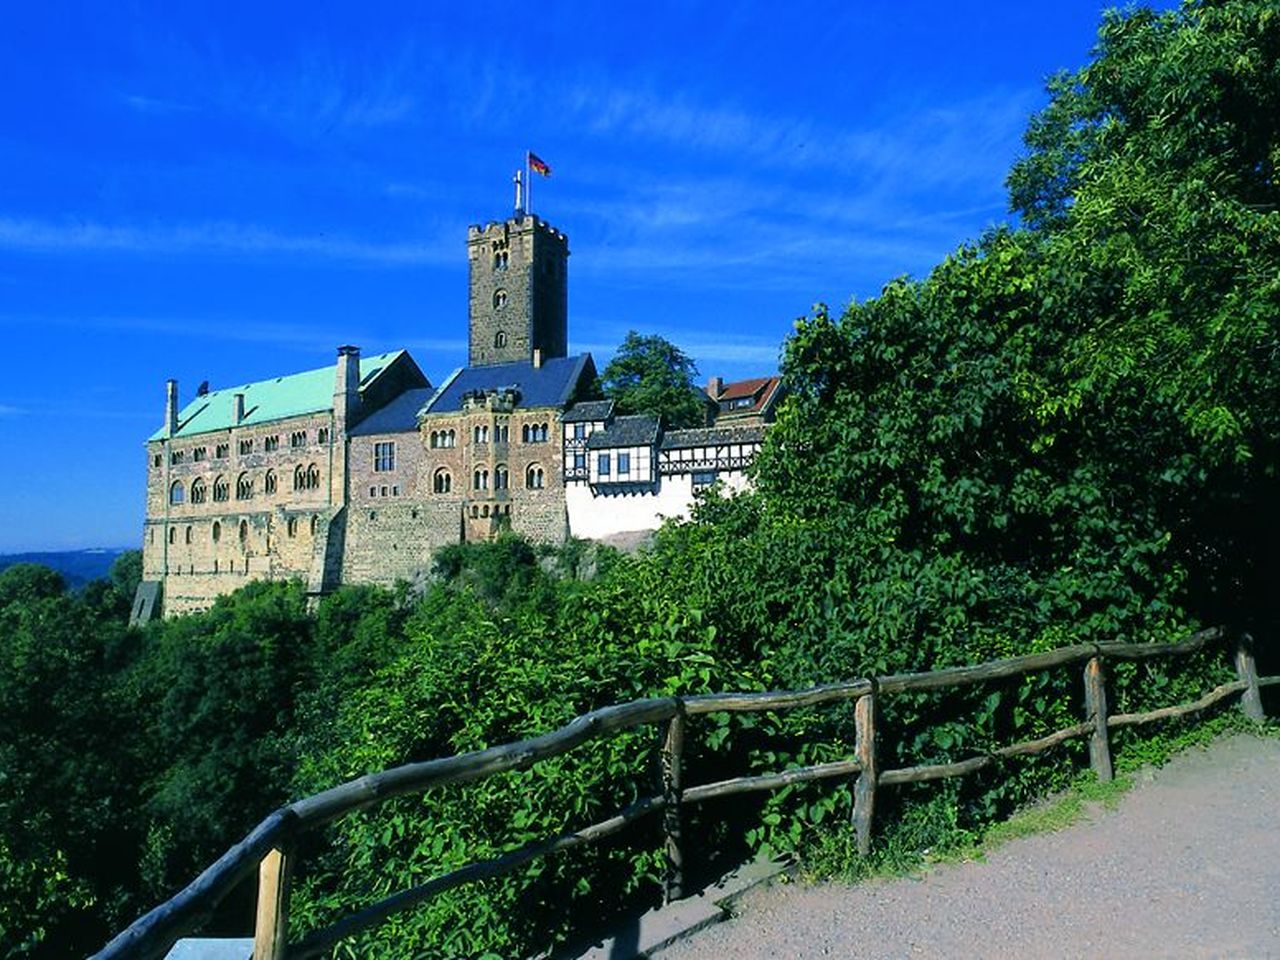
(228, 192)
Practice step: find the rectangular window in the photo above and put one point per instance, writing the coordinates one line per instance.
(624, 464)
(602, 464)
(384, 456)
(579, 431)
(579, 461)
(703, 479)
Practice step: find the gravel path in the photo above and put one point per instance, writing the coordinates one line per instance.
(1187, 866)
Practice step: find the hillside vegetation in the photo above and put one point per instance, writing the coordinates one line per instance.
(1067, 432)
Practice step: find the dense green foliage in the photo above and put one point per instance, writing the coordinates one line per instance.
(651, 375)
(1065, 433)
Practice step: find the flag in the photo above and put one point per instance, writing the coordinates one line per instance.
(538, 165)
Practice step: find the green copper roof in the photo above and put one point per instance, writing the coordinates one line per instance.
(299, 393)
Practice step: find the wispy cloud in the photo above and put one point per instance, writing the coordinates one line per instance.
(10, 411)
(300, 336)
(706, 347)
(154, 106)
(218, 238)
(940, 144)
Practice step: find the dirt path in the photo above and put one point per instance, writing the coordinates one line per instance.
(1187, 866)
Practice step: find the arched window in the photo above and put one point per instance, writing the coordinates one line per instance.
(435, 437)
(176, 492)
(298, 438)
(315, 523)
(484, 511)
(187, 535)
(269, 482)
(442, 482)
(173, 535)
(244, 532)
(313, 477)
(534, 478)
(299, 477)
(524, 434)
(221, 490)
(217, 531)
(542, 433)
(499, 478)
(481, 480)
(500, 301)
(244, 487)
(453, 439)
(322, 435)
(501, 433)
(291, 527)
(198, 491)
(500, 260)
(500, 338)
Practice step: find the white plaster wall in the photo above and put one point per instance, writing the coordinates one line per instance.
(602, 515)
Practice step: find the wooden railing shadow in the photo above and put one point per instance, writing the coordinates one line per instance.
(269, 848)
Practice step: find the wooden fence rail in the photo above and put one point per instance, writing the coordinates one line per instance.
(269, 848)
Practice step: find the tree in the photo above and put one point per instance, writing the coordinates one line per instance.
(651, 375)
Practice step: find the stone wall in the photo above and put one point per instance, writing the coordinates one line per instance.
(395, 541)
(200, 550)
(518, 299)
(488, 507)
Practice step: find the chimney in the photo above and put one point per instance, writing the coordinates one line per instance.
(537, 358)
(346, 388)
(171, 407)
(715, 387)
(239, 407)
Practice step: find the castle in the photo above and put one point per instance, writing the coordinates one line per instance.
(358, 472)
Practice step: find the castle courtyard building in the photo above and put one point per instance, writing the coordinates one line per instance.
(359, 472)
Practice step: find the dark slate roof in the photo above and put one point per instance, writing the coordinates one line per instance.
(710, 436)
(398, 416)
(588, 410)
(637, 431)
(551, 385)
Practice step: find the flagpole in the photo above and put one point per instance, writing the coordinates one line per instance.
(528, 184)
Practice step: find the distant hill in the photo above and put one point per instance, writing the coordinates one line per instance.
(77, 567)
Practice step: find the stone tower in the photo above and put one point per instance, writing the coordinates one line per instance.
(519, 291)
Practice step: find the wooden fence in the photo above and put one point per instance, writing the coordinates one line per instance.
(268, 849)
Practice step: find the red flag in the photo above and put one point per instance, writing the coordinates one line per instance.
(538, 165)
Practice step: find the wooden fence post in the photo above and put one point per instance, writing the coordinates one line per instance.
(1095, 708)
(864, 789)
(672, 778)
(271, 932)
(1246, 670)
